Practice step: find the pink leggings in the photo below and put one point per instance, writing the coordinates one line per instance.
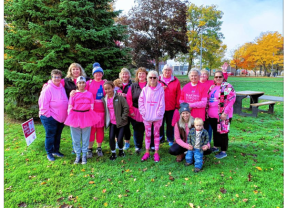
(99, 132)
(156, 127)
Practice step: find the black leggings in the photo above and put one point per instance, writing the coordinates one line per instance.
(116, 132)
(219, 140)
(127, 130)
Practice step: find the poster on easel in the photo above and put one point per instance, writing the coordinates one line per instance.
(29, 131)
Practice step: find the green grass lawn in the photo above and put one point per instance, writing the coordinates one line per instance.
(251, 175)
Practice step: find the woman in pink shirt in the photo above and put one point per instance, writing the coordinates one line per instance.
(134, 114)
(95, 86)
(195, 95)
(221, 98)
(53, 105)
(181, 131)
(151, 107)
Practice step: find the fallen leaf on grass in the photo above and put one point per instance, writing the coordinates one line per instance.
(95, 198)
(237, 195)
(255, 191)
(244, 200)
(276, 150)
(222, 190)
(83, 170)
(66, 206)
(43, 183)
(22, 204)
(191, 205)
(243, 154)
(145, 169)
(152, 180)
(249, 177)
(169, 173)
(70, 198)
(120, 196)
(104, 190)
(91, 182)
(127, 191)
(92, 176)
(60, 199)
(128, 170)
(171, 178)
(109, 179)
(105, 204)
(258, 168)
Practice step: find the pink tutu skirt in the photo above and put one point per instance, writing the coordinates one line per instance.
(83, 119)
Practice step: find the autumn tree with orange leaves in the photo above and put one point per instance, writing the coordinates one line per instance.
(266, 51)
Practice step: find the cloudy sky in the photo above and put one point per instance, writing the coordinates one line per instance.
(243, 20)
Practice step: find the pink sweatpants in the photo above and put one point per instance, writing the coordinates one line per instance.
(99, 132)
(156, 127)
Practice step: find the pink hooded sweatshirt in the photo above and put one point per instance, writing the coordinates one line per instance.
(53, 102)
(151, 103)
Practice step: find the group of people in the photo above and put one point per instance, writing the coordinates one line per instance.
(149, 103)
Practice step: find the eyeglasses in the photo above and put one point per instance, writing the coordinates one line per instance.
(56, 77)
(219, 77)
(152, 77)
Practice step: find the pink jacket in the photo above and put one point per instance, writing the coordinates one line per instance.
(151, 103)
(171, 93)
(53, 101)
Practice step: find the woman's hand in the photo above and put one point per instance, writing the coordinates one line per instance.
(164, 87)
(72, 93)
(204, 147)
(132, 114)
(223, 116)
(122, 94)
(190, 147)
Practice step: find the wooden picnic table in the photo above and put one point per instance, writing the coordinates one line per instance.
(254, 95)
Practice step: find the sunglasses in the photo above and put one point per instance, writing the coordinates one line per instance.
(219, 77)
(56, 77)
(152, 77)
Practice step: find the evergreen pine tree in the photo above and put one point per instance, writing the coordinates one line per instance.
(42, 35)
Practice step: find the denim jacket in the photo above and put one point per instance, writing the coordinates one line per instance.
(204, 138)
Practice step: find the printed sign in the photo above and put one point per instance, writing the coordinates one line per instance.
(29, 131)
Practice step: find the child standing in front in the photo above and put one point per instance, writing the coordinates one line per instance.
(81, 117)
(116, 117)
(198, 139)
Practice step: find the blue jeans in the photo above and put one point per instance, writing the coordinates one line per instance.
(79, 135)
(138, 133)
(53, 131)
(198, 157)
(168, 115)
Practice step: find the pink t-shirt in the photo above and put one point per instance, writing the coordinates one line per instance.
(93, 87)
(166, 80)
(142, 84)
(196, 97)
(110, 106)
(152, 88)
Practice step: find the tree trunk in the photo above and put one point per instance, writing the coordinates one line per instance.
(189, 64)
(260, 69)
(157, 64)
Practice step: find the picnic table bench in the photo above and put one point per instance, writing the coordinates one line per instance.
(254, 105)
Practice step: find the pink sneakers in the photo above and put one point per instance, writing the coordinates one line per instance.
(145, 157)
(156, 157)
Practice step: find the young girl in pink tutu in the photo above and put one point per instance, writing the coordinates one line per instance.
(116, 117)
(81, 117)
